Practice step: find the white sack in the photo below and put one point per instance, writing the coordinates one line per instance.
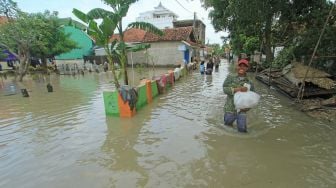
(247, 99)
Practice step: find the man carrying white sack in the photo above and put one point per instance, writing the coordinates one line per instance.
(234, 84)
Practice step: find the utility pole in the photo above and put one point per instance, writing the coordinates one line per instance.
(194, 23)
(194, 27)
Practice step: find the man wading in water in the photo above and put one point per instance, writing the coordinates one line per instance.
(231, 85)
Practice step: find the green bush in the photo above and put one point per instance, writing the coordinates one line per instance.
(284, 58)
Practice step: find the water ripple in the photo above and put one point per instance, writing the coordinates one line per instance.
(64, 138)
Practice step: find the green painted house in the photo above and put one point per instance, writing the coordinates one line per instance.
(84, 42)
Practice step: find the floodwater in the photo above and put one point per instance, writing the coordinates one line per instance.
(63, 139)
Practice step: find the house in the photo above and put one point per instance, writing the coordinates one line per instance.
(84, 42)
(161, 17)
(176, 46)
(198, 25)
(179, 44)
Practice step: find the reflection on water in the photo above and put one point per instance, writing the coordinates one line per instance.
(64, 139)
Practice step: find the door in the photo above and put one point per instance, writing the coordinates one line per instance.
(186, 55)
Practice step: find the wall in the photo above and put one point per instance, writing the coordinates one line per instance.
(200, 27)
(79, 62)
(4, 65)
(163, 53)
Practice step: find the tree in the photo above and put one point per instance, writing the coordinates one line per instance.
(2, 53)
(27, 34)
(242, 43)
(216, 49)
(19, 37)
(274, 22)
(120, 8)
(298, 30)
(54, 41)
(111, 21)
(9, 9)
(254, 18)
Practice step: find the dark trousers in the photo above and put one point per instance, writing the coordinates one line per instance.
(230, 117)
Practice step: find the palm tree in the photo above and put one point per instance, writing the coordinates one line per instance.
(111, 21)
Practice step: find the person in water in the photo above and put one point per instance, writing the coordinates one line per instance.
(217, 62)
(202, 67)
(209, 67)
(231, 85)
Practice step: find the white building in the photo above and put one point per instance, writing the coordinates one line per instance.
(160, 17)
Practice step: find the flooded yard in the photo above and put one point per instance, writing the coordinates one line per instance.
(64, 138)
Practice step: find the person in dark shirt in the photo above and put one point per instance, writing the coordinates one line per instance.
(209, 67)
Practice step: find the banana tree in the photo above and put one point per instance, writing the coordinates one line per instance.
(124, 47)
(111, 21)
(101, 34)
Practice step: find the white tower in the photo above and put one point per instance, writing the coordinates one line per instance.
(160, 17)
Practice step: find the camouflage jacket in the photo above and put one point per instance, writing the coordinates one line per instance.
(231, 82)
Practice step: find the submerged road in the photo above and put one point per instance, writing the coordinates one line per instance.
(64, 139)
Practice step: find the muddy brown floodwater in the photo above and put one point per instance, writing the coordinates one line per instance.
(63, 139)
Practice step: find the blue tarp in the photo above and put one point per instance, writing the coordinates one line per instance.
(8, 56)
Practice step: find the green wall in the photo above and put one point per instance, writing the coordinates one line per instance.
(83, 41)
(155, 91)
(142, 97)
(111, 103)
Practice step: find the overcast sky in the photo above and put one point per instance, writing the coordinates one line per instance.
(183, 8)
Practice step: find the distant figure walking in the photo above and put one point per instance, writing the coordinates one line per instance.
(209, 67)
(105, 66)
(217, 62)
(202, 67)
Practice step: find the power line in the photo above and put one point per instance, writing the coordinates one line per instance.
(183, 6)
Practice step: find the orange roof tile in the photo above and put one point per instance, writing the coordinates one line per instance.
(171, 34)
(131, 35)
(3, 19)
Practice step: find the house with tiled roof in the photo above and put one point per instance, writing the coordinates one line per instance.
(131, 36)
(198, 25)
(176, 46)
(181, 40)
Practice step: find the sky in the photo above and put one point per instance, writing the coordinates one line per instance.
(183, 8)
